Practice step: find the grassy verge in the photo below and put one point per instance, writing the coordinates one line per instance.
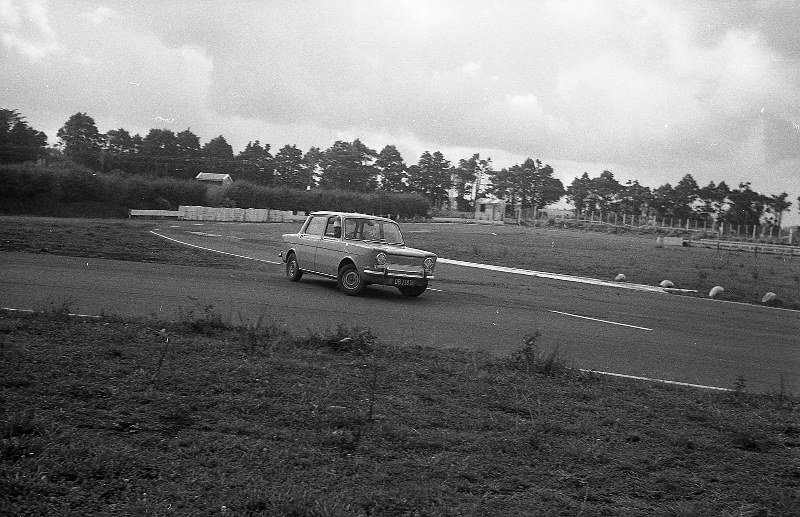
(206, 417)
(746, 277)
(110, 239)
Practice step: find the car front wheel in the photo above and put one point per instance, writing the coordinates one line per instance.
(293, 271)
(349, 281)
(412, 290)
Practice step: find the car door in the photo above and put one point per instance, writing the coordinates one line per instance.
(308, 242)
(330, 249)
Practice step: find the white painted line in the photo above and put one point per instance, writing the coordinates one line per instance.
(32, 311)
(215, 251)
(204, 234)
(602, 321)
(554, 276)
(437, 290)
(650, 379)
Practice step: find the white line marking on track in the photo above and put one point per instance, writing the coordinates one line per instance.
(215, 251)
(554, 276)
(204, 234)
(650, 379)
(601, 321)
(33, 311)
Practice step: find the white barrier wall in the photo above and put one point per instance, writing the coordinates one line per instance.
(242, 215)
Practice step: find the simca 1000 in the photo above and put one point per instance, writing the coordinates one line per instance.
(356, 250)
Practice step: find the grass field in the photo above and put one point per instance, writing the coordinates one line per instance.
(205, 416)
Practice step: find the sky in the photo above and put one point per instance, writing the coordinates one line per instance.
(651, 90)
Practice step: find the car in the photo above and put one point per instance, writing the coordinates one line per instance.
(356, 250)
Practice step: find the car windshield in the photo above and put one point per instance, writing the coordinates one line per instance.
(372, 230)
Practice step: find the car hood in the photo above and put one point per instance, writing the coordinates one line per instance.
(405, 251)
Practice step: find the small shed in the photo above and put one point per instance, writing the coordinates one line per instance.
(492, 211)
(222, 180)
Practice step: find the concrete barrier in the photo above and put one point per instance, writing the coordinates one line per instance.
(158, 214)
(241, 215)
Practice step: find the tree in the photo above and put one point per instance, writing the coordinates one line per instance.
(505, 186)
(431, 177)
(18, 141)
(311, 161)
(256, 163)
(187, 144)
(578, 193)
(635, 198)
(605, 192)
(712, 198)
(119, 143)
(218, 148)
(536, 185)
(685, 194)
(82, 141)
(290, 171)
(160, 143)
(391, 169)
(255, 152)
(468, 179)
(777, 204)
(663, 199)
(348, 166)
(745, 206)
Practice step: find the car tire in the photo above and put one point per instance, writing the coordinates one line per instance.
(349, 281)
(412, 290)
(293, 271)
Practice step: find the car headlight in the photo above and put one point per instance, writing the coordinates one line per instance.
(380, 258)
(429, 263)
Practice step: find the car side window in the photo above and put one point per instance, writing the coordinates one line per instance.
(351, 229)
(372, 230)
(316, 226)
(334, 227)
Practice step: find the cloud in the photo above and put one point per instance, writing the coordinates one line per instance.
(25, 28)
(99, 15)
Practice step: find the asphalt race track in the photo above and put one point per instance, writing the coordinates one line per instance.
(624, 331)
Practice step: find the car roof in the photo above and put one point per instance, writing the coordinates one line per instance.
(350, 214)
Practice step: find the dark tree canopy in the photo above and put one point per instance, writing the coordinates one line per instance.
(18, 141)
(218, 148)
(83, 143)
(392, 170)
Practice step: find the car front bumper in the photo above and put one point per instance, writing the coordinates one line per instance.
(388, 276)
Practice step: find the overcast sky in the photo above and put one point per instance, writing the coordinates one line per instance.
(649, 89)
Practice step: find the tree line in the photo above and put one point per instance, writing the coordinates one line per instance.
(354, 167)
(687, 200)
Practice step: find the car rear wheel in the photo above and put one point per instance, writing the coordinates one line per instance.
(412, 290)
(293, 271)
(349, 281)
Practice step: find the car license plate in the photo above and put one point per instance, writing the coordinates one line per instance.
(400, 281)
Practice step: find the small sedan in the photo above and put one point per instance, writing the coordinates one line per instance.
(356, 250)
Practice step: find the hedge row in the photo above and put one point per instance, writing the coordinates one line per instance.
(65, 182)
(245, 194)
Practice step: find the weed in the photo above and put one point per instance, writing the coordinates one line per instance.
(59, 309)
(205, 321)
(351, 340)
(156, 377)
(739, 388)
(534, 359)
(260, 337)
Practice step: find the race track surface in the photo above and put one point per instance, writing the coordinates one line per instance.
(643, 333)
